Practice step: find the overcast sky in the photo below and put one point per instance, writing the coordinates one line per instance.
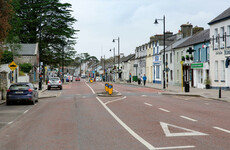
(100, 21)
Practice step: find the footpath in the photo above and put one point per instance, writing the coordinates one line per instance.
(196, 92)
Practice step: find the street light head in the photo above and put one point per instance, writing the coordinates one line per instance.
(156, 22)
(113, 40)
(110, 50)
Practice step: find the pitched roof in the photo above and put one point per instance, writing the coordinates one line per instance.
(28, 49)
(223, 16)
(199, 37)
(176, 43)
(127, 58)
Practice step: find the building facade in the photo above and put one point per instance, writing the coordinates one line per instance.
(220, 50)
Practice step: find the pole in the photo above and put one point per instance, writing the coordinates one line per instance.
(63, 80)
(164, 53)
(40, 78)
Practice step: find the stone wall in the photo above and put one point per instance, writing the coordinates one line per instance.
(3, 84)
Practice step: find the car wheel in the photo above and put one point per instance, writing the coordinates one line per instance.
(8, 103)
(32, 102)
(48, 88)
(60, 88)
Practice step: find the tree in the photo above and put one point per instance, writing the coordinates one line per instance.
(25, 67)
(48, 22)
(5, 14)
(7, 57)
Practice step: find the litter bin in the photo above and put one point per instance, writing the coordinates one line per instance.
(186, 86)
(139, 81)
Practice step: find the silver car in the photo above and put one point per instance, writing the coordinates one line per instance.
(54, 82)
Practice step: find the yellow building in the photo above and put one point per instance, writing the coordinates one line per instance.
(149, 63)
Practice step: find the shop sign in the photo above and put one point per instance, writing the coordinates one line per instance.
(199, 65)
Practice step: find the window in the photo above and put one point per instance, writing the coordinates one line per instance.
(222, 71)
(166, 57)
(216, 33)
(207, 53)
(199, 55)
(216, 70)
(157, 72)
(177, 56)
(228, 36)
(170, 58)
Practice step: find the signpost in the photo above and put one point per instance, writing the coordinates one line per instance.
(12, 66)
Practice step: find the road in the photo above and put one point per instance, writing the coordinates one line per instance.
(140, 119)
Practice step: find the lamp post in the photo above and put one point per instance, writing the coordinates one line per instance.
(118, 39)
(113, 62)
(164, 47)
(40, 49)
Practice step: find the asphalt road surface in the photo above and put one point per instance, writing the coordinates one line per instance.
(140, 119)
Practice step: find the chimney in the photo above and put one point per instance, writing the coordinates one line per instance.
(186, 29)
(197, 29)
(179, 35)
(168, 34)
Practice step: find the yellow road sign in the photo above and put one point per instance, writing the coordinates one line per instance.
(13, 66)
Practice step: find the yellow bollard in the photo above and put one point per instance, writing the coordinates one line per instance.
(91, 80)
(106, 87)
(110, 89)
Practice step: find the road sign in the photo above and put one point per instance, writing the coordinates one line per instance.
(13, 66)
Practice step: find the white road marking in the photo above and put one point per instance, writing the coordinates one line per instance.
(4, 122)
(10, 122)
(188, 133)
(175, 147)
(148, 104)
(115, 100)
(218, 128)
(206, 103)
(135, 135)
(188, 118)
(164, 110)
(90, 88)
(26, 111)
(143, 95)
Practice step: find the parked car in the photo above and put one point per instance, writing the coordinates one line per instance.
(77, 78)
(23, 91)
(98, 79)
(54, 82)
(69, 78)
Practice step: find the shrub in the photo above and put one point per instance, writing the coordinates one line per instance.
(21, 73)
(26, 67)
(7, 57)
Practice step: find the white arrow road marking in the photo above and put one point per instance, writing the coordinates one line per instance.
(188, 133)
(115, 100)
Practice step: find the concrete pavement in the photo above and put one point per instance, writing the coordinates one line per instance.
(176, 90)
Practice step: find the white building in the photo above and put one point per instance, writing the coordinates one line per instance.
(220, 50)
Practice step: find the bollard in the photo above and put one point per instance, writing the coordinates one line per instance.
(91, 80)
(106, 87)
(219, 92)
(110, 89)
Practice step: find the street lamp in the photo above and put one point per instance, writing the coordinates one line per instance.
(164, 47)
(40, 49)
(118, 39)
(113, 62)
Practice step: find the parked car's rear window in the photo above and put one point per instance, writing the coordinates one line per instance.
(19, 87)
(54, 79)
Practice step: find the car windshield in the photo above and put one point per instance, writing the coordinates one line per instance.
(19, 87)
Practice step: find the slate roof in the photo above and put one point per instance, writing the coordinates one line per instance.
(223, 16)
(176, 43)
(127, 58)
(199, 37)
(28, 49)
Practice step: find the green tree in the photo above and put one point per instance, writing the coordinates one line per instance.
(48, 22)
(25, 67)
(7, 57)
